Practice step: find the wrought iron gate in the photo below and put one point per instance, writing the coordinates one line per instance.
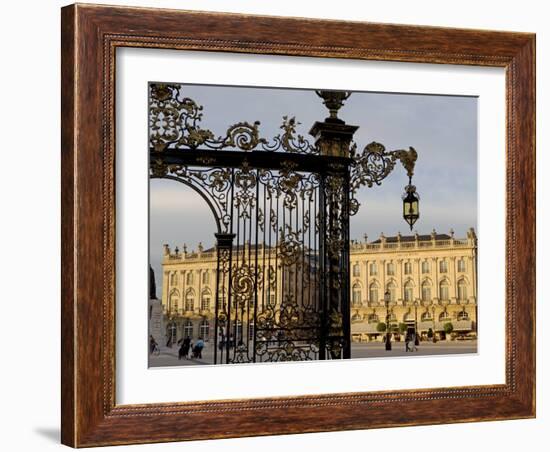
(282, 212)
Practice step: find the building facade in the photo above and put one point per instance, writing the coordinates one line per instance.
(427, 283)
(430, 281)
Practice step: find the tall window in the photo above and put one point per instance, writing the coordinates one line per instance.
(461, 265)
(391, 288)
(239, 332)
(443, 266)
(373, 293)
(444, 290)
(174, 300)
(204, 329)
(356, 295)
(407, 268)
(462, 290)
(408, 291)
(205, 301)
(373, 270)
(188, 329)
(172, 332)
(425, 267)
(189, 279)
(356, 270)
(190, 301)
(174, 279)
(205, 277)
(426, 291)
(391, 269)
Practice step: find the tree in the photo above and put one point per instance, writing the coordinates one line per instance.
(448, 328)
(381, 327)
(402, 327)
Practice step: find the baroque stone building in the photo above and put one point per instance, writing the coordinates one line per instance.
(429, 280)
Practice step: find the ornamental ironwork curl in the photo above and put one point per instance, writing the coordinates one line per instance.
(174, 124)
(243, 284)
(213, 184)
(373, 165)
(288, 332)
(290, 140)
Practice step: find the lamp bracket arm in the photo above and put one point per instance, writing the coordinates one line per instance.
(374, 164)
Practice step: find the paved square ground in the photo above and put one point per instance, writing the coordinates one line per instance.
(169, 356)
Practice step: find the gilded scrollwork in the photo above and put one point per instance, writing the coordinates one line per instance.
(214, 184)
(373, 165)
(290, 140)
(174, 124)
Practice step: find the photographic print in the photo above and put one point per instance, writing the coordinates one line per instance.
(309, 224)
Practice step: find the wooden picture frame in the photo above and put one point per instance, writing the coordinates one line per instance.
(90, 36)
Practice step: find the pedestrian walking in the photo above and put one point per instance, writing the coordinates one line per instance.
(414, 340)
(407, 341)
(185, 345)
(152, 344)
(197, 350)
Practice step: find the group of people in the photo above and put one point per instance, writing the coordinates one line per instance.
(411, 338)
(186, 346)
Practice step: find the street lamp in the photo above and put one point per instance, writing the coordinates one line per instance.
(410, 205)
(416, 340)
(433, 320)
(387, 301)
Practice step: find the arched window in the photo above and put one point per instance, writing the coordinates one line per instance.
(391, 288)
(462, 289)
(463, 315)
(356, 317)
(426, 291)
(188, 329)
(356, 295)
(356, 269)
(174, 300)
(373, 318)
(444, 316)
(392, 318)
(408, 291)
(373, 292)
(205, 301)
(444, 290)
(443, 266)
(426, 316)
(408, 317)
(190, 301)
(204, 329)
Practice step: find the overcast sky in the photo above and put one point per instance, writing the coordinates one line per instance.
(443, 130)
